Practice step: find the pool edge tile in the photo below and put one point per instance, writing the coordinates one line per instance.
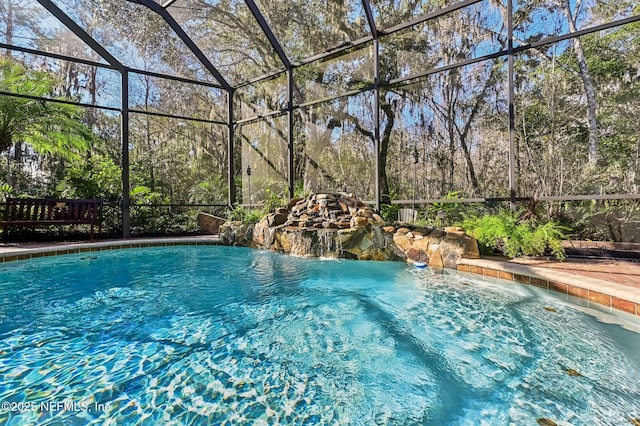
(600, 298)
(624, 305)
(578, 289)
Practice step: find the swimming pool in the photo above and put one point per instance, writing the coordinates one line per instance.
(221, 335)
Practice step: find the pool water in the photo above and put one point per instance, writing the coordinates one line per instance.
(220, 335)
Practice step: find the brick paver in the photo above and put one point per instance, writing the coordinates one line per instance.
(617, 271)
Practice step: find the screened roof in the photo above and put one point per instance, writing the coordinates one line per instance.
(325, 75)
(228, 43)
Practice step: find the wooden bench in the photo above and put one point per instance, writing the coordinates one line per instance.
(42, 212)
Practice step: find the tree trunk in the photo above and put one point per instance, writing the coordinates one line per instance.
(385, 140)
(450, 120)
(588, 85)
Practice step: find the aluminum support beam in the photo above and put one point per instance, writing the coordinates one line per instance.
(376, 142)
(56, 56)
(186, 40)
(37, 52)
(290, 140)
(177, 117)
(513, 184)
(59, 101)
(370, 19)
(555, 198)
(429, 16)
(376, 89)
(266, 29)
(168, 3)
(176, 78)
(80, 32)
(124, 138)
(231, 195)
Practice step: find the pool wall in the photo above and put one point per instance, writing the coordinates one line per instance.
(578, 289)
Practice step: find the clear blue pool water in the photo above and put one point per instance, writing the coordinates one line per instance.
(219, 335)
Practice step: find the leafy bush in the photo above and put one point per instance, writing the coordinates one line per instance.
(504, 232)
(95, 177)
(273, 202)
(6, 191)
(144, 195)
(438, 215)
(212, 190)
(389, 212)
(245, 215)
(160, 220)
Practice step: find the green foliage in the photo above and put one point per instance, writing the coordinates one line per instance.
(49, 128)
(95, 177)
(245, 215)
(253, 216)
(210, 191)
(439, 215)
(515, 238)
(6, 191)
(605, 220)
(299, 191)
(273, 201)
(389, 212)
(147, 220)
(144, 195)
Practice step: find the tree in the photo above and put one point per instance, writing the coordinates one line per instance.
(49, 128)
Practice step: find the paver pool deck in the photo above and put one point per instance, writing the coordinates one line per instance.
(612, 283)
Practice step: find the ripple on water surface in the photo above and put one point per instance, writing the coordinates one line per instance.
(197, 335)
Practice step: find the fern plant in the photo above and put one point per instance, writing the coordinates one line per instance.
(514, 238)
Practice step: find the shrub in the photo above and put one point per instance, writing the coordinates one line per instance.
(513, 237)
(389, 212)
(274, 201)
(245, 215)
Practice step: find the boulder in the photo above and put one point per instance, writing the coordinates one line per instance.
(296, 201)
(376, 219)
(208, 223)
(402, 241)
(455, 235)
(277, 219)
(236, 233)
(359, 222)
(440, 249)
(417, 255)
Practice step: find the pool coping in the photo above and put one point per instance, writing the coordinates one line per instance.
(592, 290)
(8, 254)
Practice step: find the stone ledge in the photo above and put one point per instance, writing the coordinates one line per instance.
(601, 245)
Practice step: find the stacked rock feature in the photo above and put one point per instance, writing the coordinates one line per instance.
(334, 224)
(330, 211)
(339, 225)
